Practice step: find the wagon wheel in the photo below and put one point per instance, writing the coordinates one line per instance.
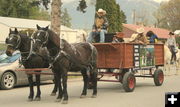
(158, 77)
(129, 82)
(120, 77)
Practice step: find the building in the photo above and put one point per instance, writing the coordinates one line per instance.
(177, 32)
(22, 24)
(129, 29)
(81, 35)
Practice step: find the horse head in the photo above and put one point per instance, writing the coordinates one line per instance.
(40, 38)
(13, 41)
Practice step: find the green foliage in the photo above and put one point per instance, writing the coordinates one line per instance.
(22, 9)
(82, 6)
(114, 15)
(168, 15)
(65, 18)
(27, 31)
(178, 41)
(2, 47)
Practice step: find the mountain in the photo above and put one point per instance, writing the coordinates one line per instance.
(142, 7)
(85, 20)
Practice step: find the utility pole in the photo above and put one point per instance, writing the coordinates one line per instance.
(134, 16)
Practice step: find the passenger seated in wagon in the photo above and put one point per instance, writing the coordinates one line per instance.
(139, 37)
(99, 27)
(152, 37)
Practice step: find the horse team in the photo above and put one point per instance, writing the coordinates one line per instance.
(45, 49)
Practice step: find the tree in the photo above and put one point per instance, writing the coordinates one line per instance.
(114, 15)
(82, 6)
(168, 15)
(65, 18)
(123, 17)
(55, 16)
(22, 9)
(55, 12)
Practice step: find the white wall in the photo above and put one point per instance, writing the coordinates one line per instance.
(71, 36)
(4, 31)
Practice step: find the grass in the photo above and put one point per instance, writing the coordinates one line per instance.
(2, 47)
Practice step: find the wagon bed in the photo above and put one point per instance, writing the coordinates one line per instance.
(121, 55)
(130, 58)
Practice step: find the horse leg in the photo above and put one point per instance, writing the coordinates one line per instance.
(64, 80)
(53, 93)
(38, 95)
(58, 84)
(85, 79)
(31, 94)
(94, 81)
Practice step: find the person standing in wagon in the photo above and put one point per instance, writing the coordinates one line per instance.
(99, 27)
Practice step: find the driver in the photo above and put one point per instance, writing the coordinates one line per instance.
(99, 27)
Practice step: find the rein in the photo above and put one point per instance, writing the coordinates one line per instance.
(61, 52)
(30, 51)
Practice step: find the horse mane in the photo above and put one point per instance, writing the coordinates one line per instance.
(24, 36)
(54, 38)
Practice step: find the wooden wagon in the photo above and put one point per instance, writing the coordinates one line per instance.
(130, 58)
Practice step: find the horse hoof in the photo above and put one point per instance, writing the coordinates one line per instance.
(58, 100)
(83, 96)
(37, 99)
(30, 99)
(93, 96)
(53, 94)
(65, 102)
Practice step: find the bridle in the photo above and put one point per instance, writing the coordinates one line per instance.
(18, 45)
(18, 41)
(39, 40)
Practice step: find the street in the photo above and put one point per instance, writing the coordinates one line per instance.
(146, 94)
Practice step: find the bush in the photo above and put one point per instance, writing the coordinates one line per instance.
(178, 41)
(30, 31)
(3, 47)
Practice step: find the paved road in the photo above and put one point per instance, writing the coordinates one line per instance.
(109, 95)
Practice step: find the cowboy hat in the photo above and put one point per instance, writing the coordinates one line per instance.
(101, 11)
(140, 30)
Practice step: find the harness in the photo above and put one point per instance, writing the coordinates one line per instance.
(18, 41)
(61, 54)
(47, 36)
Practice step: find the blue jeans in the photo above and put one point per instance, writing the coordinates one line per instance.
(93, 34)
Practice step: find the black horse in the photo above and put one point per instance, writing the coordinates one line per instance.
(23, 43)
(68, 57)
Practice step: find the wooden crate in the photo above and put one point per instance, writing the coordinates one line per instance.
(121, 55)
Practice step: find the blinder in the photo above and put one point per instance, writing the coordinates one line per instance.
(43, 43)
(18, 41)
